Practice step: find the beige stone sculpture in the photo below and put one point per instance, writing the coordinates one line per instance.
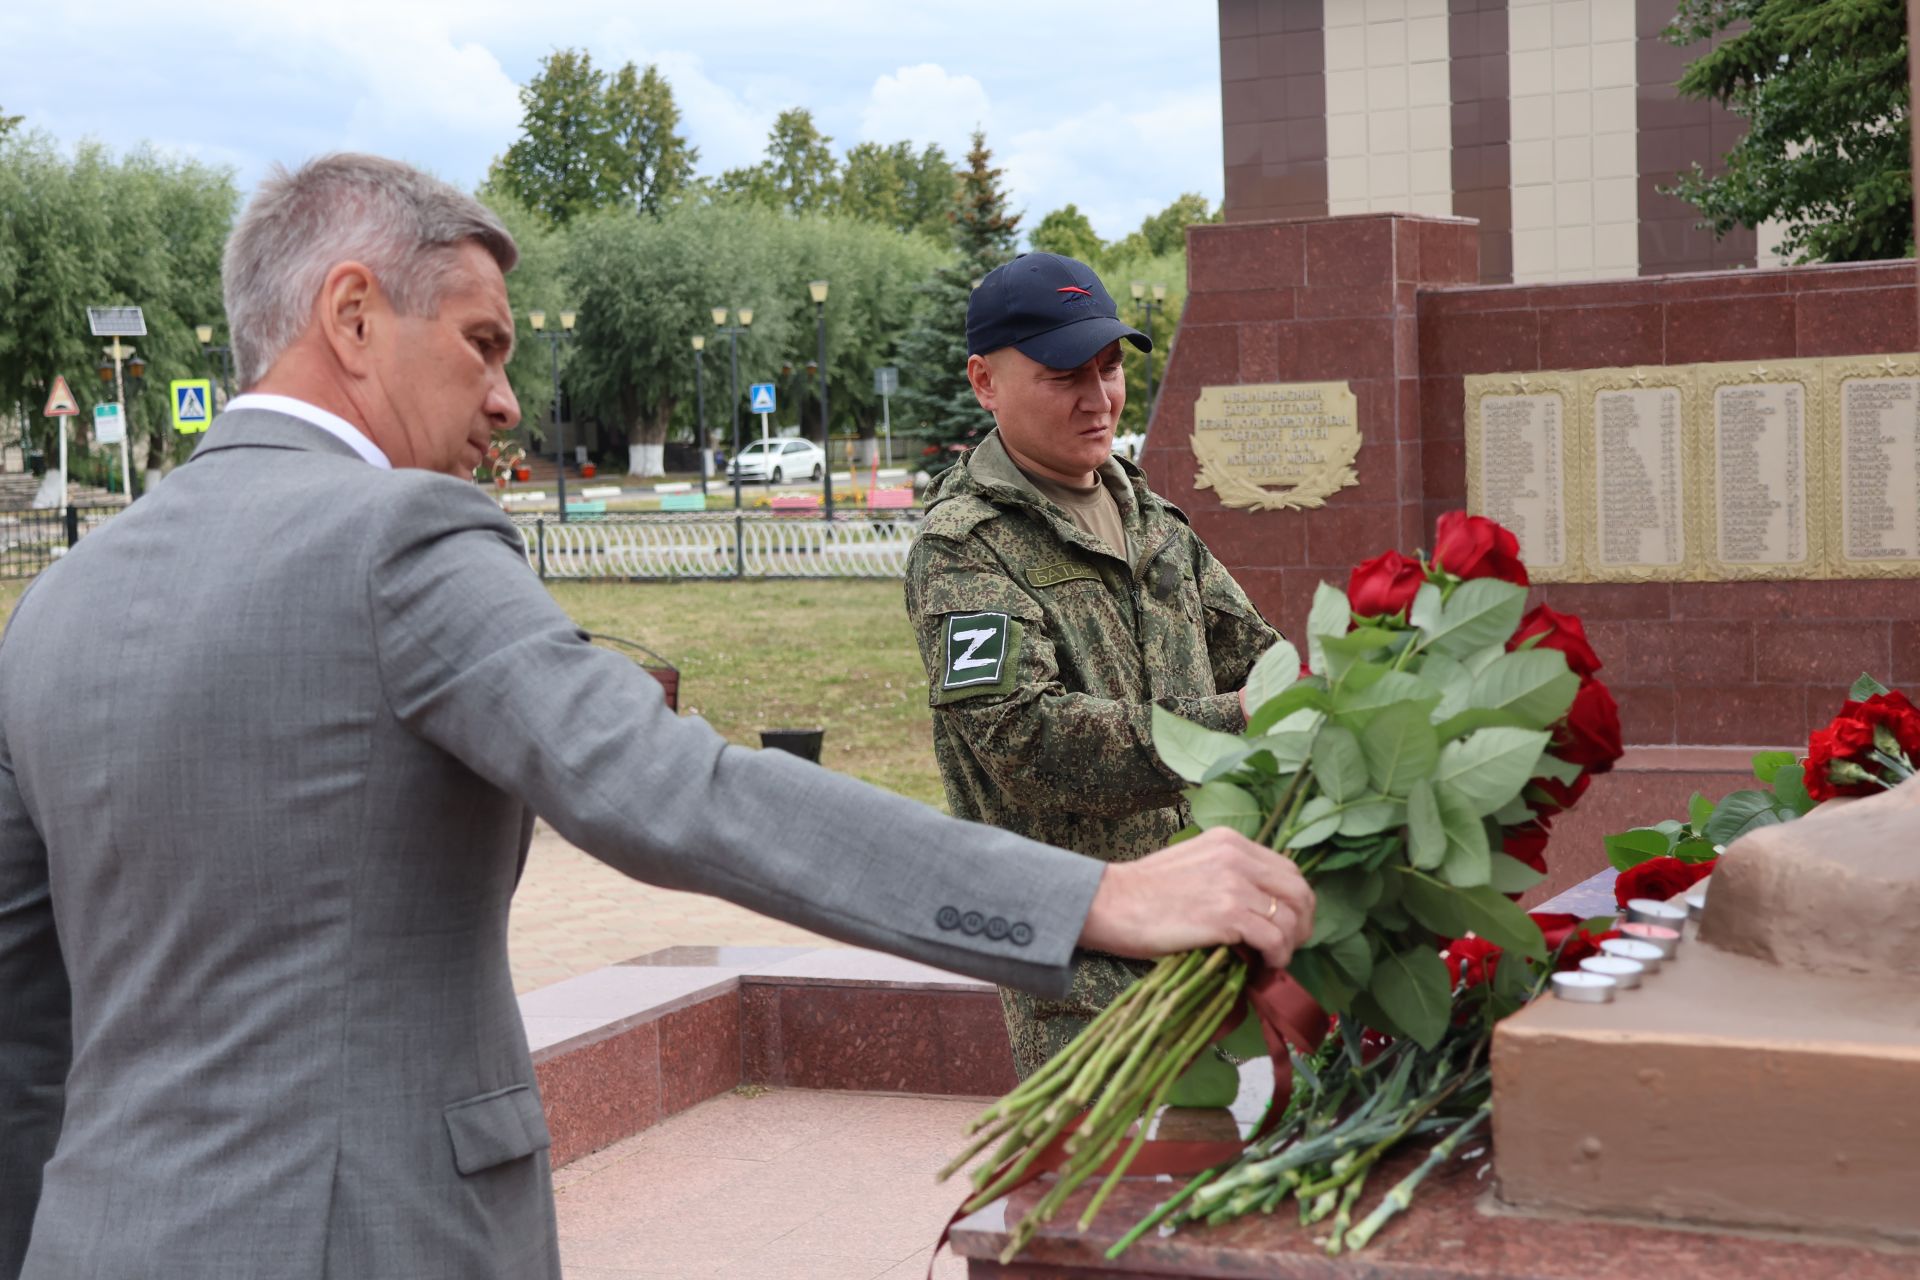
(1769, 1075)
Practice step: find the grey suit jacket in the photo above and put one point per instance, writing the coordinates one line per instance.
(271, 747)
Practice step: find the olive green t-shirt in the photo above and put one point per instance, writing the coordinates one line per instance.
(1093, 510)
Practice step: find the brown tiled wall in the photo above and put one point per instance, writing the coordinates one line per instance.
(1322, 300)
(1482, 160)
(1273, 101)
(1674, 134)
(1691, 662)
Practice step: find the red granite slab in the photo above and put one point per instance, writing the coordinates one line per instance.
(1456, 1230)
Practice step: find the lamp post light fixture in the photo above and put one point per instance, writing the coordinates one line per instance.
(700, 395)
(204, 332)
(1158, 300)
(733, 333)
(538, 319)
(818, 291)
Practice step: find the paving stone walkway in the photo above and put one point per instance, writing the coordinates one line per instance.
(573, 914)
(785, 1185)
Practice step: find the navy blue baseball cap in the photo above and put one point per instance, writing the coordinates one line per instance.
(1048, 308)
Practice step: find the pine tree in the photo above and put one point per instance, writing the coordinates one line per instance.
(934, 394)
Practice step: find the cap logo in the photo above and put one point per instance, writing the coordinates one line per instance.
(1075, 296)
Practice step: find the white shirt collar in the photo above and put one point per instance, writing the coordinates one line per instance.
(331, 423)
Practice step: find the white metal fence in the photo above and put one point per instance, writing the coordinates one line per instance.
(719, 545)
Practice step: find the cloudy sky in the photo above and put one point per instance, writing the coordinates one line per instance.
(1114, 106)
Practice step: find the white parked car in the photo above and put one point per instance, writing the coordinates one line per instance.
(781, 461)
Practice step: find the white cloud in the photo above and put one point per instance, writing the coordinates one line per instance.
(926, 103)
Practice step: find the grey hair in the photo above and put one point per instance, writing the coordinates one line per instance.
(402, 224)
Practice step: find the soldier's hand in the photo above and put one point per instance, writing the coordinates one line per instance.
(1218, 887)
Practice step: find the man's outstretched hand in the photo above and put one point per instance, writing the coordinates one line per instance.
(1218, 887)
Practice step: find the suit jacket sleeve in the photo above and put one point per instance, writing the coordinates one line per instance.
(35, 1020)
(477, 658)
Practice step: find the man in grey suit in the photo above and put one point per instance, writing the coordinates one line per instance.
(271, 747)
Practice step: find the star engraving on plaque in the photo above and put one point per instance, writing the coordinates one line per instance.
(1638, 378)
(1759, 373)
(1888, 365)
(1520, 386)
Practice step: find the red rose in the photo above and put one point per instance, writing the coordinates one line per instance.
(1384, 585)
(1471, 961)
(1659, 879)
(1846, 738)
(1564, 935)
(1561, 632)
(1900, 716)
(1590, 735)
(1528, 843)
(1475, 547)
(1558, 795)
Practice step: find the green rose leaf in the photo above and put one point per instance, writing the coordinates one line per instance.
(1221, 804)
(1489, 767)
(1340, 907)
(1191, 749)
(1210, 1081)
(1699, 812)
(1338, 764)
(1534, 686)
(1695, 850)
(1291, 739)
(1453, 681)
(1510, 875)
(1360, 641)
(1319, 819)
(1277, 671)
(1740, 813)
(1462, 723)
(1552, 767)
(1400, 748)
(1426, 836)
(1301, 697)
(1480, 660)
(1354, 955)
(1329, 616)
(1468, 857)
(1768, 764)
(1389, 688)
(1865, 687)
(1631, 848)
(1478, 614)
(1514, 812)
(1312, 969)
(1790, 790)
(1415, 990)
(1454, 913)
(1370, 816)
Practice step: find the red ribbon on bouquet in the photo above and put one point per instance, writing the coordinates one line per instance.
(1288, 1017)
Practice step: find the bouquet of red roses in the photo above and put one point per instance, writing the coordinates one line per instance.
(1411, 767)
(1872, 745)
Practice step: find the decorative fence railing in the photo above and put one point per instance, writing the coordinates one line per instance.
(720, 545)
(32, 540)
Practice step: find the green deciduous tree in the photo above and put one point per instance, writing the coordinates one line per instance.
(899, 188)
(934, 394)
(798, 173)
(1067, 231)
(1166, 231)
(1822, 85)
(592, 141)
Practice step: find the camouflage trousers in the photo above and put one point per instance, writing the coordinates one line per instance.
(1041, 1028)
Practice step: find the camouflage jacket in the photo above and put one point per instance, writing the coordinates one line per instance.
(1045, 654)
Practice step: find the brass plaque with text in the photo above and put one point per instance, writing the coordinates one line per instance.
(1276, 446)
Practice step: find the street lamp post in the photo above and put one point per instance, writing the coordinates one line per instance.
(1148, 305)
(538, 319)
(818, 289)
(733, 333)
(115, 358)
(700, 394)
(204, 332)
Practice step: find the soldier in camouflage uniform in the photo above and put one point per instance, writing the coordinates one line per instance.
(1046, 645)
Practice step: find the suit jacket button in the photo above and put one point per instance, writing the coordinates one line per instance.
(997, 928)
(948, 918)
(972, 923)
(1021, 934)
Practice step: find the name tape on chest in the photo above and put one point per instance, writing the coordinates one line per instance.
(1052, 575)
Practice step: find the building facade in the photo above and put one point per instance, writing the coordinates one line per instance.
(1553, 122)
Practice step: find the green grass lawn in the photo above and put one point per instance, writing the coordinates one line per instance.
(778, 654)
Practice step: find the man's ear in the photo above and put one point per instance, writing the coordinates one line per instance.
(349, 299)
(980, 377)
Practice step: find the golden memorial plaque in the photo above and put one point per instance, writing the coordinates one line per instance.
(1276, 446)
(1756, 469)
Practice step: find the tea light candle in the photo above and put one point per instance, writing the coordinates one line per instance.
(1586, 988)
(1653, 911)
(1645, 954)
(1668, 940)
(1625, 973)
(1696, 899)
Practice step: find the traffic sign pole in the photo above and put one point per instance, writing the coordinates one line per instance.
(61, 405)
(63, 464)
(766, 456)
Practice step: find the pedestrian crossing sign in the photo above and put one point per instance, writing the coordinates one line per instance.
(192, 404)
(760, 397)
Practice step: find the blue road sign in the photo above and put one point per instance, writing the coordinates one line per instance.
(760, 397)
(192, 404)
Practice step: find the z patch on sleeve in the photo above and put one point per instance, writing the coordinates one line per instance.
(979, 652)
